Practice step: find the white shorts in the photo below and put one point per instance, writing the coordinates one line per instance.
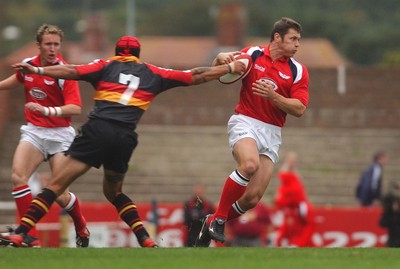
(268, 137)
(49, 141)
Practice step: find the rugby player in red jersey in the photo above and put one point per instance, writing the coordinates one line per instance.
(276, 85)
(50, 103)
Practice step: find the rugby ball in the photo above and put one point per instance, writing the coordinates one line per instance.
(230, 77)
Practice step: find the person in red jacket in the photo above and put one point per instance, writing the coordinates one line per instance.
(299, 217)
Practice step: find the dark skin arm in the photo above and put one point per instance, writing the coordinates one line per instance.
(200, 74)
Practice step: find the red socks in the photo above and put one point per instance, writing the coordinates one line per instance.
(23, 199)
(73, 209)
(234, 187)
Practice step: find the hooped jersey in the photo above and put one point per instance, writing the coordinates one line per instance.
(48, 92)
(125, 89)
(289, 77)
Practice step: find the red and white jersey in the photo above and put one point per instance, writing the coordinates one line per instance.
(289, 77)
(48, 92)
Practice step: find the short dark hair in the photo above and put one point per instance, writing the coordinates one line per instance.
(283, 25)
(48, 29)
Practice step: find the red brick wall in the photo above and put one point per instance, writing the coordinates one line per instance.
(372, 100)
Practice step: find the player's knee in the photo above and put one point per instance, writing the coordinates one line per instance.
(249, 167)
(18, 179)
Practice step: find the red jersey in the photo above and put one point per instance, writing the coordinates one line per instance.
(298, 226)
(298, 214)
(48, 92)
(126, 88)
(289, 76)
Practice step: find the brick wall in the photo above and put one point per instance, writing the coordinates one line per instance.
(372, 100)
(183, 141)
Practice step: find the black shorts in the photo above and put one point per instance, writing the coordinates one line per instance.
(101, 142)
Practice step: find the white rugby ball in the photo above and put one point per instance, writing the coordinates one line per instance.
(230, 77)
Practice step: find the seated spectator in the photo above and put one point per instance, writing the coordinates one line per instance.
(195, 209)
(250, 229)
(390, 218)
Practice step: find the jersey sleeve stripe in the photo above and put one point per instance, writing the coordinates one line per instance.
(299, 68)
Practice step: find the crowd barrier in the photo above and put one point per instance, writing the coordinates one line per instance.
(336, 226)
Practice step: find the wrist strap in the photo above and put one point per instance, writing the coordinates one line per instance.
(39, 70)
(53, 111)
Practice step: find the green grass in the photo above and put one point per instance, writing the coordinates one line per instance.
(204, 258)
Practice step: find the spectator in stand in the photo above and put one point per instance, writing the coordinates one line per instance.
(390, 218)
(369, 188)
(299, 217)
(195, 209)
(250, 229)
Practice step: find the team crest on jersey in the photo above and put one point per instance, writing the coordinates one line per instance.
(283, 75)
(270, 81)
(48, 82)
(37, 93)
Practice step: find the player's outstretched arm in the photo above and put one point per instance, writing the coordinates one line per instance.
(10, 83)
(55, 71)
(204, 74)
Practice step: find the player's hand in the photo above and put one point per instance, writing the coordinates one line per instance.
(238, 67)
(24, 68)
(264, 88)
(35, 108)
(226, 57)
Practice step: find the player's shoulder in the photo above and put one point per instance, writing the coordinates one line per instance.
(299, 70)
(254, 51)
(294, 61)
(31, 60)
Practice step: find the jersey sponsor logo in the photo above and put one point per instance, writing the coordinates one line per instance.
(270, 81)
(28, 78)
(260, 68)
(283, 75)
(48, 82)
(37, 93)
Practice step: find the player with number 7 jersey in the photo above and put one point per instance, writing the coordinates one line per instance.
(128, 86)
(125, 87)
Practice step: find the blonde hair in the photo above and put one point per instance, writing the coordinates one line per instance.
(48, 29)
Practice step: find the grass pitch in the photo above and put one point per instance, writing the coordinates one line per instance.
(202, 258)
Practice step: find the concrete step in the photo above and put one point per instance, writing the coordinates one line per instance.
(170, 159)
